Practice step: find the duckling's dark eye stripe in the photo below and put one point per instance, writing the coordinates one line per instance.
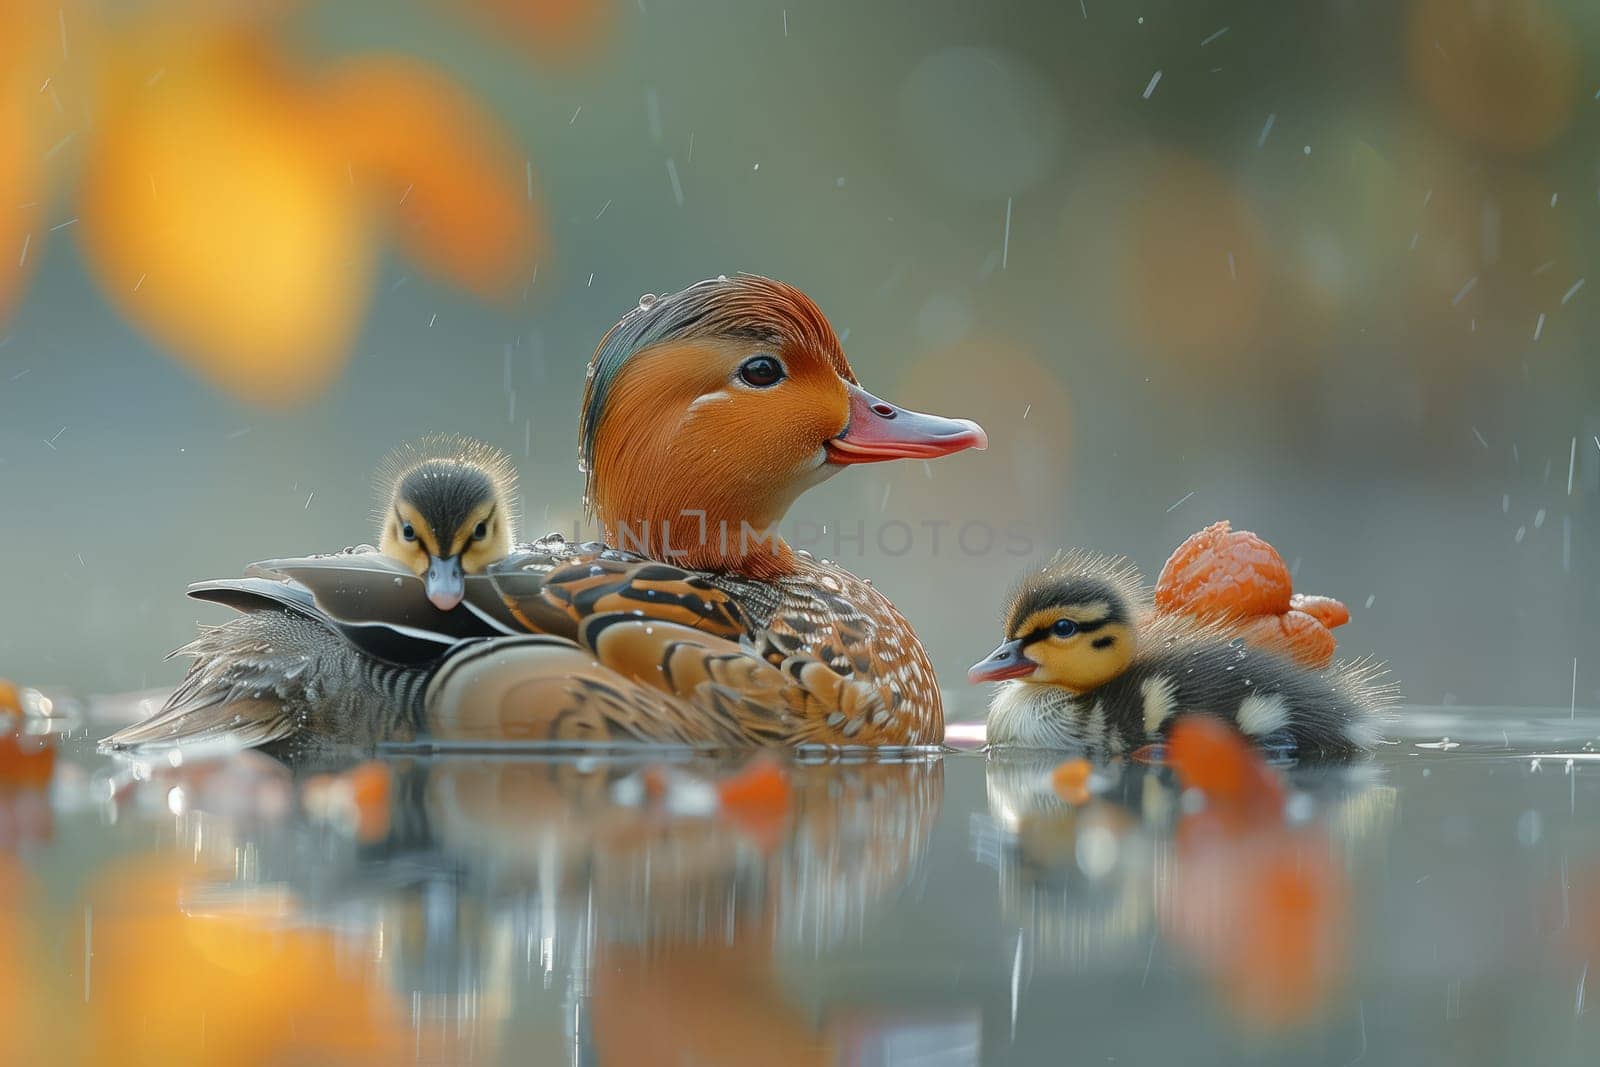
(470, 534)
(1039, 633)
(418, 530)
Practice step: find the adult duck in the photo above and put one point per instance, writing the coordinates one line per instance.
(705, 414)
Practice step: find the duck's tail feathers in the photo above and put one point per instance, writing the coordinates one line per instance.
(243, 686)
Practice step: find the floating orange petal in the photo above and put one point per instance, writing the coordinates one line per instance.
(25, 759)
(1070, 780)
(356, 799)
(1222, 573)
(217, 218)
(757, 799)
(761, 786)
(458, 197)
(1210, 755)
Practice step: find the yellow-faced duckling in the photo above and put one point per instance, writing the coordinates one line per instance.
(446, 509)
(1087, 663)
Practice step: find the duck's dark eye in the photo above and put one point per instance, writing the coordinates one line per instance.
(480, 531)
(761, 372)
(1064, 628)
(408, 532)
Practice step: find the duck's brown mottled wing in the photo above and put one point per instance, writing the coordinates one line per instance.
(702, 659)
(554, 592)
(631, 679)
(827, 618)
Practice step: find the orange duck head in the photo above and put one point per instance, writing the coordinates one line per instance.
(708, 411)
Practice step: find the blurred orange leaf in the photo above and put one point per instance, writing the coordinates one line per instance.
(235, 982)
(229, 199)
(1196, 263)
(1502, 72)
(563, 31)
(217, 219)
(457, 196)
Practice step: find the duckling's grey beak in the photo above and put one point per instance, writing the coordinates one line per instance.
(445, 583)
(1005, 662)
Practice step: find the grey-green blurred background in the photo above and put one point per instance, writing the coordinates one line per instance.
(1317, 278)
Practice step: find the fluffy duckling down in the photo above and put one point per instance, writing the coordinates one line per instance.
(446, 509)
(1087, 663)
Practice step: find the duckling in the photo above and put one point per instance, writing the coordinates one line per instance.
(1087, 663)
(446, 509)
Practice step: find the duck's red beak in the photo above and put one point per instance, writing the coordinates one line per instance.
(879, 430)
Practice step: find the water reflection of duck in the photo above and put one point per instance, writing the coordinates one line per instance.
(650, 929)
(1087, 664)
(705, 414)
(854, 835)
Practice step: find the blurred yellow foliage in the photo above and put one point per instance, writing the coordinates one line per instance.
(178, 980)
(452, 190)
(21, 147)
(217, 216)
(232, 201)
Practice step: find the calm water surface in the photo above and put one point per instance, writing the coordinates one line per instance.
(1438, 904)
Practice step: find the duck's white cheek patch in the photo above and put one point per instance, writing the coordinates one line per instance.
(1262, 715)
(706, 399)
(1160, 701)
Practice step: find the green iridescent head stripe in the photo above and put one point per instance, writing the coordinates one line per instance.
(746, 306)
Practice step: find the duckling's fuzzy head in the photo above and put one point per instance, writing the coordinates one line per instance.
(446, 509)
(1072, 624)
(709, 410)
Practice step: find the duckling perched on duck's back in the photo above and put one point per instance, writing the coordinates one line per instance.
(1088, 664)
(446, 509)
